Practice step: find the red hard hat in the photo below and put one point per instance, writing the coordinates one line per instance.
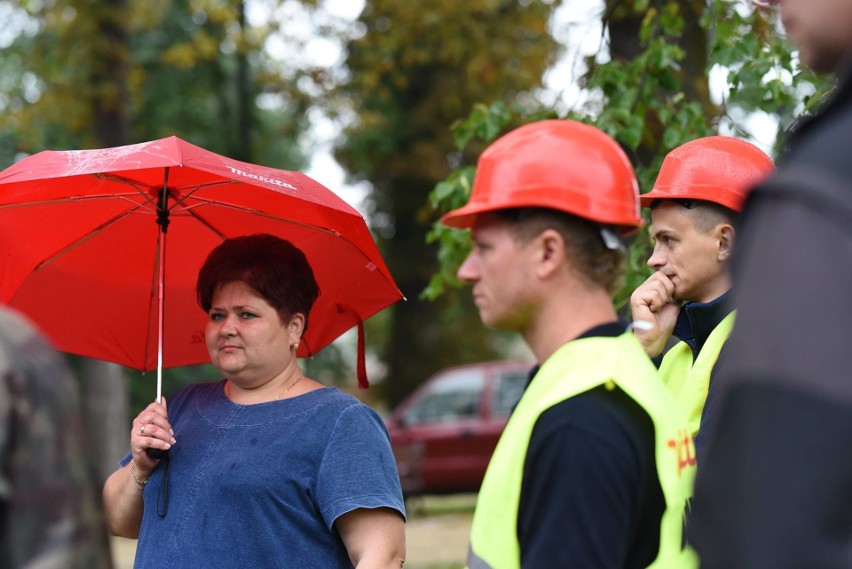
(557, 164)
(718, 169)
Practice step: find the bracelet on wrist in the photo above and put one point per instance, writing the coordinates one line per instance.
(138, 483)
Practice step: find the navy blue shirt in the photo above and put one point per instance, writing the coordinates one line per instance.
(261, 485)
(590, 496)
(697, 320)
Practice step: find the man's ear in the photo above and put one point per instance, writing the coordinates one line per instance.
(725, 233)
(550, 248)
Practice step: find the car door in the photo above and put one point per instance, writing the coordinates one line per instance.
(444, 427)
(507, 387)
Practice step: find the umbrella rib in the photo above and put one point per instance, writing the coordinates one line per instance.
(71, 199)
(145, 193)
(147, 190)
(195, 188)
(85, 238)
(255, 212)
(178, 200)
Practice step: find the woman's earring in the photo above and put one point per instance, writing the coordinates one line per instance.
(294, 346)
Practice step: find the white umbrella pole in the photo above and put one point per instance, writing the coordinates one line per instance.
(163, 225)
(161, 286)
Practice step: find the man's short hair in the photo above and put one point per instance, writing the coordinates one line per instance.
(706, 214)
(598, 264)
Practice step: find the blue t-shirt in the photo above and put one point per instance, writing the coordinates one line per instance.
(261, 485)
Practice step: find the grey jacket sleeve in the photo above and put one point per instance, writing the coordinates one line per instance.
(775, 487)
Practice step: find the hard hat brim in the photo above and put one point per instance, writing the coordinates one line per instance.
(711, 194)
(464, 217)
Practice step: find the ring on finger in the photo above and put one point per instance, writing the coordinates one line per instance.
(142, 430)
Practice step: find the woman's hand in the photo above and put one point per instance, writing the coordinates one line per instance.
(151, 429)
(123, 490)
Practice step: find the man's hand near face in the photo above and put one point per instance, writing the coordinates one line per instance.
(652, 302)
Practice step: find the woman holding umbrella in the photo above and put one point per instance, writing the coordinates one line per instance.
(267, 468)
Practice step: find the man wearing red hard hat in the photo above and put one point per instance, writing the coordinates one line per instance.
(694, 204)
(594, 467)
(776, 488)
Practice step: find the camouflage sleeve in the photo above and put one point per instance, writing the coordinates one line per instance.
(50, 511)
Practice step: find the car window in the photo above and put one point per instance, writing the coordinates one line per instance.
(510, 387)
(451, 398)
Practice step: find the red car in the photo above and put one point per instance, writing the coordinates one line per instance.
(444, 433)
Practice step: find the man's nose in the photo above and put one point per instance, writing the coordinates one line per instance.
(466, 272)
(656, 260)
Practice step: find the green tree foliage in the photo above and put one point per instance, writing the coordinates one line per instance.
(648, 88)
(414, 70)
(82, 74)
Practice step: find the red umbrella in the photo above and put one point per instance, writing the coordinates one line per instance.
(82, 234)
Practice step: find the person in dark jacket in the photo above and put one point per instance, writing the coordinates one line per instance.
(50, 511)
(775, 490)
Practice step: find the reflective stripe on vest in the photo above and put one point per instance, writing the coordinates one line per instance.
(576, 367)
(476, 562)
(689, 380)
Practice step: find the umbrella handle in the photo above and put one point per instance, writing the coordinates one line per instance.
(156, 453)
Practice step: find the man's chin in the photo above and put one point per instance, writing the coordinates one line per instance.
(488, 320)
(500, 324)
(822, 61)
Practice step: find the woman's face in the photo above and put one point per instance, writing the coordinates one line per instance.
(246, 338)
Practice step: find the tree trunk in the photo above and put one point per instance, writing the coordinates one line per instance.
(242, 148)
(424, 337)
(109, 76)
(105, 390)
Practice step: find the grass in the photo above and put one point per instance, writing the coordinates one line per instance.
(425, 506)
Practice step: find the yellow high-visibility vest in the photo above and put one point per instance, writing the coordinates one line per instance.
(576, 367)
(688, 378)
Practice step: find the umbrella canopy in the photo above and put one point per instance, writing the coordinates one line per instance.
(82, 233)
